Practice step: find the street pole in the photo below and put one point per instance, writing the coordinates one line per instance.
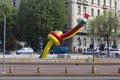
(4, 47)
(93, 45)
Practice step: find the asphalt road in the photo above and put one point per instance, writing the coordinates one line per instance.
(59, 78)
(60, 69)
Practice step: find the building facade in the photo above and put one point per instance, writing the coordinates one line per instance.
(75, 12)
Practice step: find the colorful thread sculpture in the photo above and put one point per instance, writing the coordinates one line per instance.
(58, 37)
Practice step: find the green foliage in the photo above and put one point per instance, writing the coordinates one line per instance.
(11, 43)
(104, 27)
(10, 12)
(38, 17)
(105, 24)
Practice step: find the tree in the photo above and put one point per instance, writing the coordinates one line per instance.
(104, 26)
(11, 43)
(38, 17)
(7, 9)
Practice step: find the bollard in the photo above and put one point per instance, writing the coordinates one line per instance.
(86, 60)
(118, 70)
(10, 70)
(65, 70)
(93, 69)
(38, 70)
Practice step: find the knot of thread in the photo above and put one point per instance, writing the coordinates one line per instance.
(56, 37)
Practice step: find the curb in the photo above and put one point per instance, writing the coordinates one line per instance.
(59, 75)
(59, 63)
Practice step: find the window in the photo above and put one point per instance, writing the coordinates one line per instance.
(14, 3)
(92, 12)
(84, 10)
(104, 2)
(115, 4)
(79, 41)
(79, 9)
(98, 12)
(98, 2)
(110, 3)
(84, 42)
(92, 2)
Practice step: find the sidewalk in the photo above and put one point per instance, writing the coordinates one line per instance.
(50, 56)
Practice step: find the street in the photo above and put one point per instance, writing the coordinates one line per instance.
(58, 69)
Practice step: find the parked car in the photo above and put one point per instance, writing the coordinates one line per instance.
(60, 50)
(90, 51)
(25, 50)
(113, 52)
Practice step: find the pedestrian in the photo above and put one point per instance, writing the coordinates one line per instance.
(75, 50)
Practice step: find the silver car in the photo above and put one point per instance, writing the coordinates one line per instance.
(25, 50)
(90, 51)
(113, 52)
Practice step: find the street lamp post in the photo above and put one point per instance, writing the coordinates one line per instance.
(4, 47)
(93, 46)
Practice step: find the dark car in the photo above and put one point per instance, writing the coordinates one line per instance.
(60, 50)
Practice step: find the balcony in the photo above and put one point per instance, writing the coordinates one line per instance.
(79, 1)
(85, 2)
(104, 6)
